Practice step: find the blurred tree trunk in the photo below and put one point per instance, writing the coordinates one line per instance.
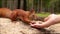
(0, 3)
(21, 4)
(4, 3)
(24, 5)
(12, 4)
(18, 4)
(41, 6)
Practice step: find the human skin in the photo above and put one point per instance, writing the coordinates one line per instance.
(48, 21)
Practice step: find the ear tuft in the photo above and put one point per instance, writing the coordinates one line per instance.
(32, 10)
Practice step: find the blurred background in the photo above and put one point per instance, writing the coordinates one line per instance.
(41, 7)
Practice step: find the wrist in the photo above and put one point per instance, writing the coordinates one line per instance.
(58, 18)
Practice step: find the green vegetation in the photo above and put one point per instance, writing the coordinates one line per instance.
(0, 3)
(51, 6)
(43, 14)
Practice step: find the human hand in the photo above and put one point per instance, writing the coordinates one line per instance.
(36, 24)
(50, 20)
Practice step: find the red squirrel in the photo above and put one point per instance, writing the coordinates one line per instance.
(25, 16)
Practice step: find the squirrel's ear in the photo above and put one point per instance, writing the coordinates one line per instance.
(32, 11)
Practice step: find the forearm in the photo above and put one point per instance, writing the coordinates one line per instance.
(58, 18)
(52, 21)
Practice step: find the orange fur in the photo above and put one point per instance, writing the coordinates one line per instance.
(17, 13)
(24, 15)
(5, 12)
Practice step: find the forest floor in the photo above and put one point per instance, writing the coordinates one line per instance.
(19, 27)
(8, 27)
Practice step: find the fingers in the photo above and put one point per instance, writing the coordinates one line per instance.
(37, 25)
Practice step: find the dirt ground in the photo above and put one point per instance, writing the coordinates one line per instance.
(8, 27)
